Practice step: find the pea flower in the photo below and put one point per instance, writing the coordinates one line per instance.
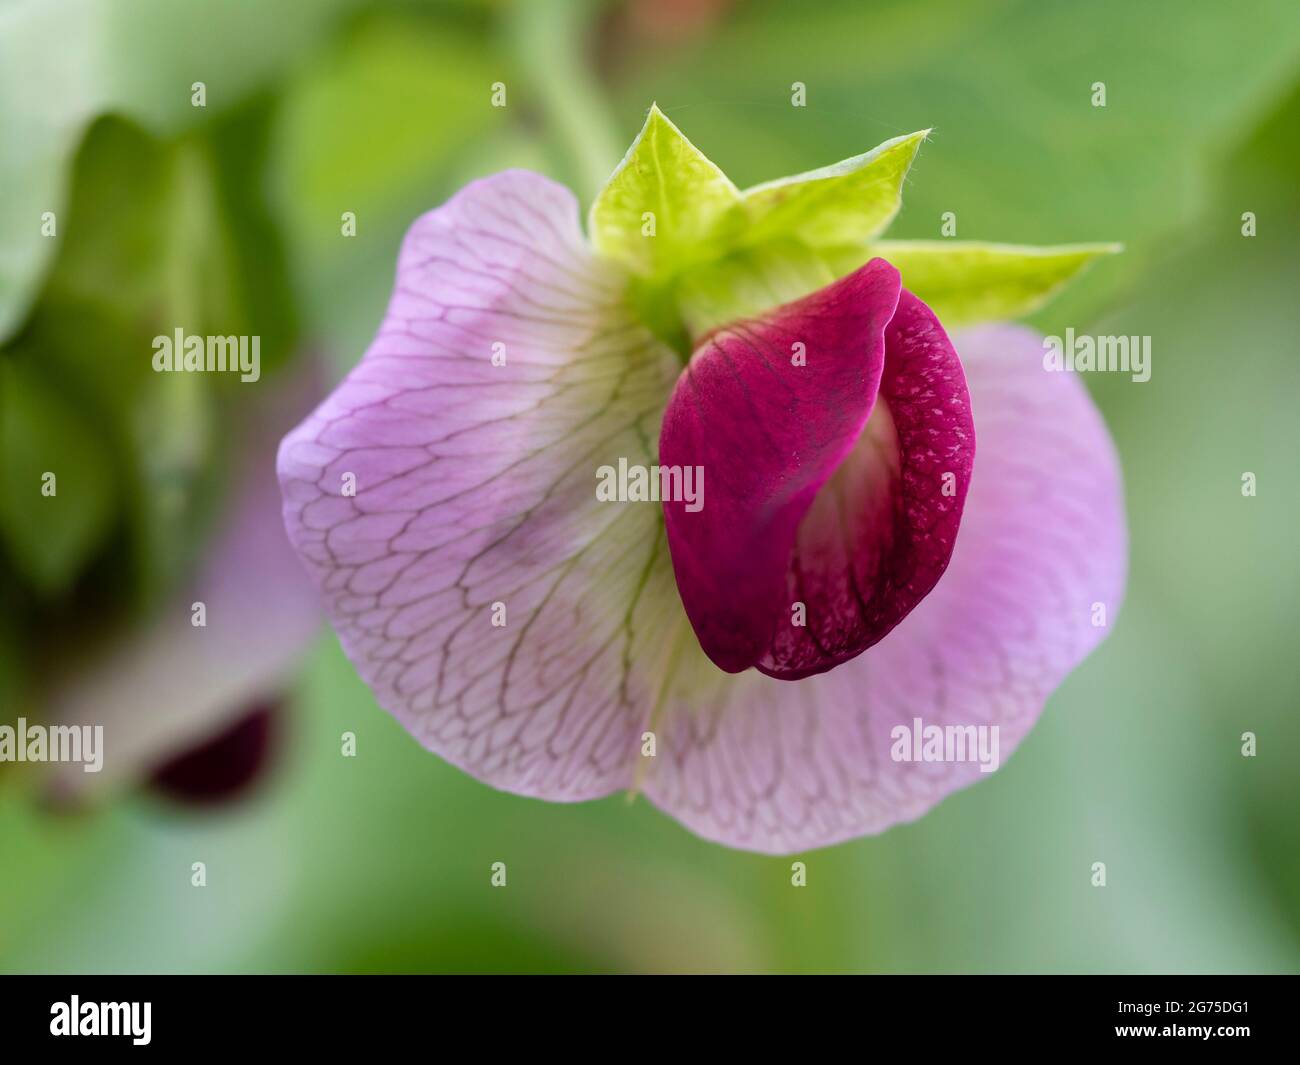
(564, 642)
(195, 710)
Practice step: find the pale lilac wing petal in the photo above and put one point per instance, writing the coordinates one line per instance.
(777, 767)
(506, 617)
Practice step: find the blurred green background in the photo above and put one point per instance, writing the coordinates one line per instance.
(229, 215)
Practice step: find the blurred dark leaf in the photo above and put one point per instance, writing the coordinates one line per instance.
(161, 235)
(44, 440)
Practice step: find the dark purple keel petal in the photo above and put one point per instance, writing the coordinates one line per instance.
(227, 765)
(836, 442)
(879, 534)
(767, 409)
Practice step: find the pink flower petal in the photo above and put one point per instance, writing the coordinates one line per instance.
(754, 763)
(816, 536)
(475, 493)
(475, 490)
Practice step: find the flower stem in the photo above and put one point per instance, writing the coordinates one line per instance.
(547, 37)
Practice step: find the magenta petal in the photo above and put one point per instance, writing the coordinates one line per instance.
(879, 534)
(754, 763)
(767, 433)
(833, 483)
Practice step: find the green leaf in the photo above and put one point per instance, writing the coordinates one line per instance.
(160, 235)
(667, 208)
(970, 281)
(963, 282)
(702, 252)
(56, 483)
(664, 204)
(705, 254)
(846, 203)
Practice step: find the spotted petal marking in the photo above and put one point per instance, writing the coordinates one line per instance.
(836, 442)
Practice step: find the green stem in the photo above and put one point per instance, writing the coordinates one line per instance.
(547, 37)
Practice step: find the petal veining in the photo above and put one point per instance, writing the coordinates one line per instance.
(506, 617)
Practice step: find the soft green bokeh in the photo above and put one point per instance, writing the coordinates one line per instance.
(381, 862)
